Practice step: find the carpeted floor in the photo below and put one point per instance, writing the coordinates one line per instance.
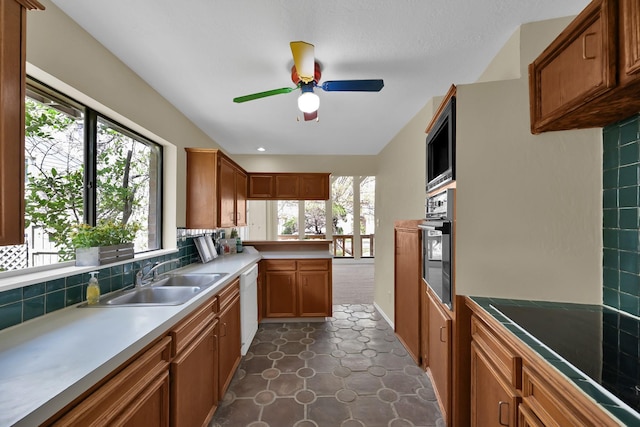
(352, 283)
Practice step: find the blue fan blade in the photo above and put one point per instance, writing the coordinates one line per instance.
(352, 86)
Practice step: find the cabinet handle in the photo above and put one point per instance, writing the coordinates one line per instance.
(441, 329)
(584, 46)
(500, 412)
(224, 330)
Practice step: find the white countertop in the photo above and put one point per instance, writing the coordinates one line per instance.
(47, 362)
(295, 254)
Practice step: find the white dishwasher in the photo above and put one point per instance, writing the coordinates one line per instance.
(248, 306)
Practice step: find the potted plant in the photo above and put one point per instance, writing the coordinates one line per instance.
(105, 243)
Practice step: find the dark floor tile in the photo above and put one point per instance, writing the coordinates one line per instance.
(372, 412)
(328, 412)
(283, 412)
(348, 372)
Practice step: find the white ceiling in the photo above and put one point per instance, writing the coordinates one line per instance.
(200, 54)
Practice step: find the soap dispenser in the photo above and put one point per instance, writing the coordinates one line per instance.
(93, 289)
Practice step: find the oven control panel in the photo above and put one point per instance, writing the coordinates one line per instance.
(440, 206)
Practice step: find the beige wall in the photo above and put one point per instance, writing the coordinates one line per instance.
(61, 54)
(400, 194)
(528, 207)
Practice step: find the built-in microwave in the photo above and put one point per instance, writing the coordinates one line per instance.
(441, 148)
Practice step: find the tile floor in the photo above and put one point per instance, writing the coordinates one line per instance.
(349, 371)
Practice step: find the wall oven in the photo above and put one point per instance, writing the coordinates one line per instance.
(437, 245)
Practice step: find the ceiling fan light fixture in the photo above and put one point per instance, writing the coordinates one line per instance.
(308, 102)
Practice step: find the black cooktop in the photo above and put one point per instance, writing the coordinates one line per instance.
(599, 341)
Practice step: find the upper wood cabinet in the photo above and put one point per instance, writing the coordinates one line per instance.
(588, 76)
(289, 186)
(216, 190)
(13, 21)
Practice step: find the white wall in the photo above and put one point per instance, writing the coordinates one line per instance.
(400, 194)
(61, 54)
(528, 206)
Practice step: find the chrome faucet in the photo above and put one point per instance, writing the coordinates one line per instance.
(143, 278)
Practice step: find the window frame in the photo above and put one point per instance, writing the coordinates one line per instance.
(91, 119)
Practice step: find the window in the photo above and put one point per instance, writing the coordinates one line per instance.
(81, 167)
(347, 219)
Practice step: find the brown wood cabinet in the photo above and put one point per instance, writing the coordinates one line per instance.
(408, 286)
(494, 402)
(512, 385)
(13, 20)
(230, 339)
(194, 368)
(424, 326)
(297, 288)
(440, 351)
(137, 396)
(588, 76)
(289, 186)
(216, 190)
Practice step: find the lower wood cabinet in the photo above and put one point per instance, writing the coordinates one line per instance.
(297, 288)
(511, 385)
(137, 396)
(493, 401)
(440, 350)
(230, 341)
(194, 368)
(407, 285)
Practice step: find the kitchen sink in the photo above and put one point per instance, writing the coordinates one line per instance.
(168, 289)
(189, 279)
(150, 295)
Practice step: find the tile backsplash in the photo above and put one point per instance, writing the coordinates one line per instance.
(621, 215)
(22, 304)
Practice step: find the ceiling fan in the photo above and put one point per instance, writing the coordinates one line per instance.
(305, 73)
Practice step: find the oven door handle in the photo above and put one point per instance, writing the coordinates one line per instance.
(445, 228)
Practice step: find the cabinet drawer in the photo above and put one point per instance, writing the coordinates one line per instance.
(190, 327)
(279, 264)
(127, 393)
(227, 294)
(314, 264)
(505, 360)
(557, 404)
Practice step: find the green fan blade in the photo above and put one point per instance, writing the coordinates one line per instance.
(264, 94)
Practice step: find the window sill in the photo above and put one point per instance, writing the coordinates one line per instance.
(18, 279)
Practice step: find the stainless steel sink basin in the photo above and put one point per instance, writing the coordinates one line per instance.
(169, 289)
(150, 295)
(189, 279)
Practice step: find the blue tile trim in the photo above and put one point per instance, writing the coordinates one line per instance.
(22, 304)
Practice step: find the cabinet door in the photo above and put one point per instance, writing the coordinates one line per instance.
(230, 343)
(261, 186)
(630, 39)
(137, 396)
(493, 401)
(526, 418)
(440, 355)
(314, 187)
(194, 381)
(202, 198)
(314, 296)
(12, 92)
(287, 187)
(281, 294)
(577, 67)
(407, 283)
(227, 193)
(241, 198)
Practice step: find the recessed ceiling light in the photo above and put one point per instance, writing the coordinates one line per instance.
(262, 149)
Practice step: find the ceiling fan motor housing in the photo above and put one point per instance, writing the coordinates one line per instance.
(296, 78)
